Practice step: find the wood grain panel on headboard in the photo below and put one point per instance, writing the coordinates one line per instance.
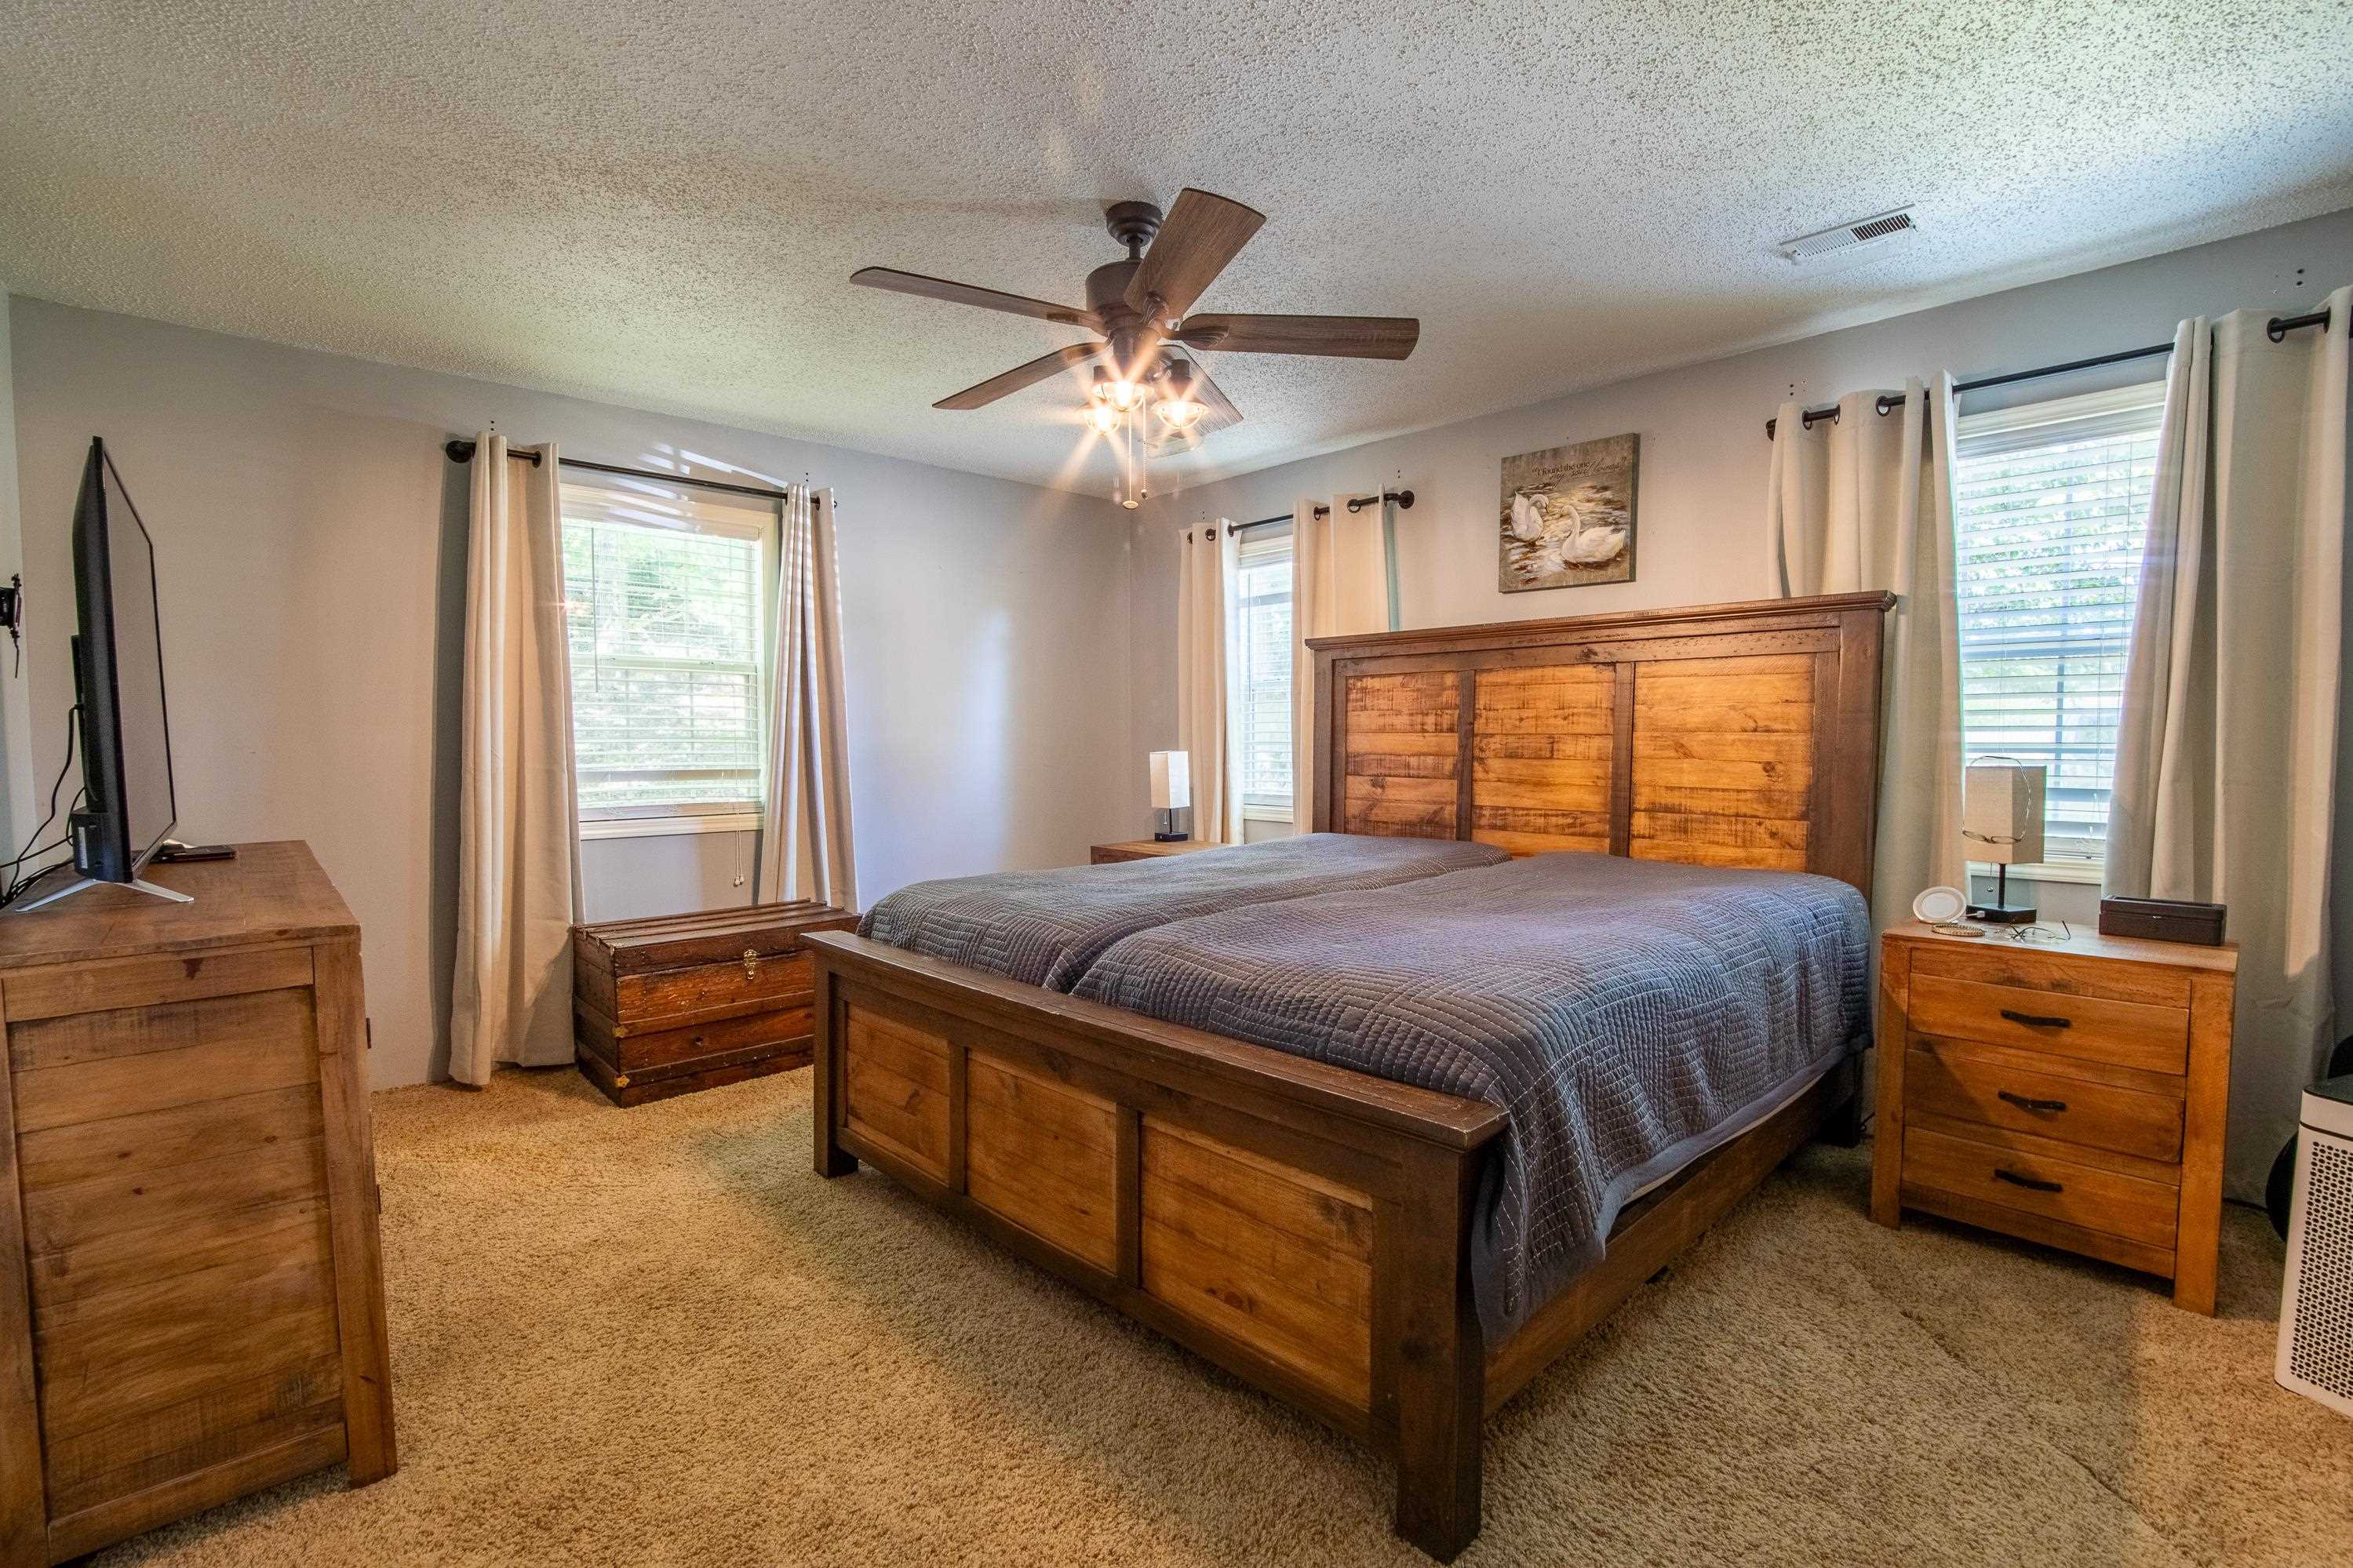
(1723, 760)
(1540, 743)
(1403, 755)
(1728, 735)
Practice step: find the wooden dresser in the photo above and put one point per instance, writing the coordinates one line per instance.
(2071, 1093)
(1144, 850)
(190, 1286)
(676, 1003)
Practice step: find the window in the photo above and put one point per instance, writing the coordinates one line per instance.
(2054, 504)
(665, 600)
(1261, 666)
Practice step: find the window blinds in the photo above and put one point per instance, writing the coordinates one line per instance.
(665, 602)
(1261, 659)
(2053, 502)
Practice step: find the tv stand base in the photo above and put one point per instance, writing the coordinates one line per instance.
(79, 883)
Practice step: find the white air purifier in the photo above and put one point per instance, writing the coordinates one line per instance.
(2315, 1335)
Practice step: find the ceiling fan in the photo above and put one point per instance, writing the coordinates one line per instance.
(1137, 310)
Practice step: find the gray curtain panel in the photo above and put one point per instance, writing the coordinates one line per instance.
(519, 811)
(1342, 581)
(1205, 722)
(807, 847)
(2228, 786)
(1866, 501)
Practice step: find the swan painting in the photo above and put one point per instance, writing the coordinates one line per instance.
(1528, 521)
(1568, 516)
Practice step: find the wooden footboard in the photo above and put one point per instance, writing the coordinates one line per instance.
(1304, 1226)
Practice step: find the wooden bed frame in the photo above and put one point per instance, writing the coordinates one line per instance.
(1305, 1226)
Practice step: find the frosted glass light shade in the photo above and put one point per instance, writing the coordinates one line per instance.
(1172, 780)
(2002, 812)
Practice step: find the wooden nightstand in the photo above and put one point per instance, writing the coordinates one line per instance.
(1144, 850)
(2071, 1093)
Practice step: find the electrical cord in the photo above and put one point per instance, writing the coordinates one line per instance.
(18, 884)
(18, 888)
(28, 855)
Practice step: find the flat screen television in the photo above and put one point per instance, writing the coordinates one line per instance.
(118, 660)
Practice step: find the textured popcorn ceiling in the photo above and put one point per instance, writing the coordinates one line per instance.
(660, 205)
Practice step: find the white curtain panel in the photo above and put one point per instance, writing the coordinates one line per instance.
(2227, 782)
(518, 835)
(1866, 501)
(1342, 583)
(1204, 701)
(806, 848)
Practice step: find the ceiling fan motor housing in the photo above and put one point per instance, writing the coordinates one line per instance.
(1122, 327)
(1107, 289)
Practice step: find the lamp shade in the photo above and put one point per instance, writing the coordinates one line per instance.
(2002, 812)
(1172, 780)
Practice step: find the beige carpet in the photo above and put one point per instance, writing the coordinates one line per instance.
(652, 1337)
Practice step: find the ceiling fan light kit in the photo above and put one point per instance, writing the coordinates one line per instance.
(1138, 310)
(1177, 407)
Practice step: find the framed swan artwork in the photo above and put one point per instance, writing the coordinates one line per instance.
(1568, 516)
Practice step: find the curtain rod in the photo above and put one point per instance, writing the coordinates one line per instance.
(2276, 329)
(1403, 497)
(462, 451)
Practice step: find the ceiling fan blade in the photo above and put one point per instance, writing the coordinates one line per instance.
(1345, 337)
(1022, 375)
(1200, 235)
(967, 294)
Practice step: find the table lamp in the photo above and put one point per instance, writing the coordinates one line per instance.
(1172, 792)
(2002, 821)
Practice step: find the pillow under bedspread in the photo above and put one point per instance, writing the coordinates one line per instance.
(1627, 1016)
(1045, 928)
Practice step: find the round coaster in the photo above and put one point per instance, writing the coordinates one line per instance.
(1939, 906)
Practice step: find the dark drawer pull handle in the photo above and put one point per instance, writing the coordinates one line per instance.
(2016, 1180)
(2037, 1019)
(2023, 1103)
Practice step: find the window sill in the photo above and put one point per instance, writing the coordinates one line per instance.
(668, 827)
(2080, 872)
(1252, 812)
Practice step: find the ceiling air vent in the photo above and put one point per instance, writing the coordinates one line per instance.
(1847, 235)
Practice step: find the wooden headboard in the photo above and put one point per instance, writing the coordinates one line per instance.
(1723, 736)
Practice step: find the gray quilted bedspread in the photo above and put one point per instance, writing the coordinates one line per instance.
(1626, 1015)
(1045, 927)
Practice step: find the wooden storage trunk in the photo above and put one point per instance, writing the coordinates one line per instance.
(678, 1002)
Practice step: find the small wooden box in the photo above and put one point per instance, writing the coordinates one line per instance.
(2163, 919)
(678, 1003)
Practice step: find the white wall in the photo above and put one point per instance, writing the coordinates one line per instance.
(1705, 455)
(19, 813)
(668, 874)
(312, 541)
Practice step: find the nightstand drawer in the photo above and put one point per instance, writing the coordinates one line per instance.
(2000, 963)
(2016, 1090)
(2093, 1028)
(2105, 1201)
